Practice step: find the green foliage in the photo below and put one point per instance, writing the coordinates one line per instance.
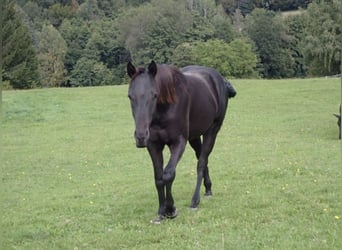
(102, 39)
(76, 34)
(132, 25)
(19, 62)
(90, 72)
(235, 59)
(200, 30)
(89, 10)
(57, 13)
(296, 30)
(183, 55)
(322, 43)
(34, 12)
(52, 51)
(113, 32)
(223, 28)
(285, 5)
(247, 6)
(272, 43)
(153, 30)
(164, 34)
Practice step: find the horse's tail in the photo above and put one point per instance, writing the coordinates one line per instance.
(230, 89)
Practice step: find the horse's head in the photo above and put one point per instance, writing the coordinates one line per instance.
(143, 93)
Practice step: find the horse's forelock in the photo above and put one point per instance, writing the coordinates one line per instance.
(139, 71)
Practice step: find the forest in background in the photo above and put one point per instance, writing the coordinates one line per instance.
(58, 43)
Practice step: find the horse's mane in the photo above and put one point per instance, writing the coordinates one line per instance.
(168, 79)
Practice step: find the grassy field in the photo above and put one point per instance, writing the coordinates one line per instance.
(71, 177)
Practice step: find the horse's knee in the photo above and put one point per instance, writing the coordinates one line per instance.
(169, 175)
(159, 183)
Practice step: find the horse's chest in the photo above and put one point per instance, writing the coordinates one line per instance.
(165, 129)
(157, 134)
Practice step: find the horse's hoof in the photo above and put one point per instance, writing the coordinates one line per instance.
(158, 219)
(208, 193)
(194, 204)
(172, 215)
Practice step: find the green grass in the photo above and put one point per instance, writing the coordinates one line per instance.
(71, 177)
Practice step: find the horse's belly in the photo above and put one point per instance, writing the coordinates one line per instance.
(200, 121)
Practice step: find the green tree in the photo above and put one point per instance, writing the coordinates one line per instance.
(57, 13)
(296, 29)
(323, 37)
(89, 10)
(33, 12)
(242, 59)
(200, 30)
(272, 43)
(235, 59)
(76, 34)
(136, 2)
(89, 72)
(183, 55)
(52, 50)
(103, 38)
(285, 5)
(206, 8)
(19, 62)
(223, 28)
(132, 25)
(153, 30)
(111, 8)
(160, 41)
(229, 6)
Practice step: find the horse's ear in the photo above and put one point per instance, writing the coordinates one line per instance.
(131, 70)
(152, 68)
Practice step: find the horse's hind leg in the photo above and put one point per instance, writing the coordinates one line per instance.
(196, 144)
(207, 182)
(207, 146)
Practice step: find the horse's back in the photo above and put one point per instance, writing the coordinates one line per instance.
(208, 95)
(208, 82)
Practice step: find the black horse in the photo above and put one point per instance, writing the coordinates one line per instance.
(338, 116)
(170, 107)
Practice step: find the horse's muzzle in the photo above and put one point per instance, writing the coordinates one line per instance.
(141, 138)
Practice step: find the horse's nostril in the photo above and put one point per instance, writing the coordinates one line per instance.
(141, 138)
(142, 135)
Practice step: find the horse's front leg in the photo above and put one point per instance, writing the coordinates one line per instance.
(156, 153)
(176, 151)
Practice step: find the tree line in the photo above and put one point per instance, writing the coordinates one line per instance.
(56, 43)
